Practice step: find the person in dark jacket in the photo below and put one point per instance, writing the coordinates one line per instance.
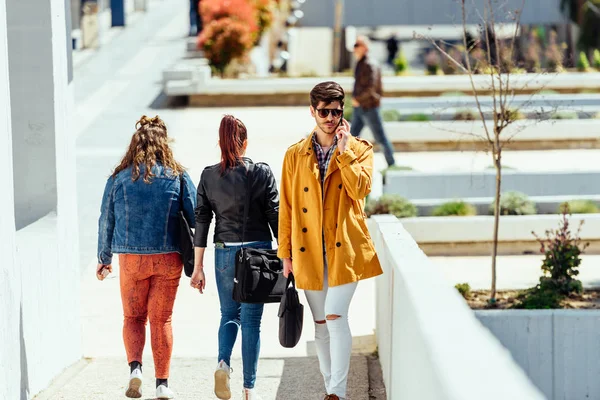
(366, 98)
(222, 191)
(139, 220)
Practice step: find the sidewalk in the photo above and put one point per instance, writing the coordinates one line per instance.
(192, 379)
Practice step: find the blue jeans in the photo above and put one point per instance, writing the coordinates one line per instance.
(234, 314)
(372, 117)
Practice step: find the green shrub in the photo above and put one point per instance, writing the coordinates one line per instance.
(580, 207)
(562, 250)
(454, 208)
(390, 115)
(564, 115)
(466, 115)
(538, 298)
(583, 63)
(391, 204)
(464, 289)
(515, 115)
(401, 64)
(418, 118)
(515, 203)
(596, 59)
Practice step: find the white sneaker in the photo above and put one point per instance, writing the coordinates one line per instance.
(163, 392)
(222, 374)
(134, 390)
(250, 394)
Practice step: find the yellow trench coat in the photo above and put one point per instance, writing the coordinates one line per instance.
(305, 214)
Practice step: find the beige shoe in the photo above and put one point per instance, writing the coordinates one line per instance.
(222, 375)
(134, 390)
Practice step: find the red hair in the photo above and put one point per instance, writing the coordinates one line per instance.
(232, 136)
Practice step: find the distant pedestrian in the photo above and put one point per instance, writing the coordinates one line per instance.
(366, 98)
(139, 220)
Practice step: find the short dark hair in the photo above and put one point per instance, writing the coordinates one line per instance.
(327, 92)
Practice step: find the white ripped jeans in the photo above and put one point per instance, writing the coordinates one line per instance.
(333, 339)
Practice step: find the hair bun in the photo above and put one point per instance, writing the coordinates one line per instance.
(147, 121)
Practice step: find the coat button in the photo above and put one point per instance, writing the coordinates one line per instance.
(340, 186)
(302, 249)
(304, 210)
(306, 189)
(338, 244)
(304, 230)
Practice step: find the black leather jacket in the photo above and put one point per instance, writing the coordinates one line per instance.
(224, 196)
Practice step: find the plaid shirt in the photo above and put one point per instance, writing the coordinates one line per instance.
(322, 157)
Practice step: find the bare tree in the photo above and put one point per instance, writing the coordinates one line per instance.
(490, 67)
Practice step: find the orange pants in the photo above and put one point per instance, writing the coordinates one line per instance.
(148, 288)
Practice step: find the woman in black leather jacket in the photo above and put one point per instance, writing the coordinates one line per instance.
(222, 191)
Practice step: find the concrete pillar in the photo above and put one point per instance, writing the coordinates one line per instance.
(10, 280)
(43, 148)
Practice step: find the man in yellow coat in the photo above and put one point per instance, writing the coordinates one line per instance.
(323, 236)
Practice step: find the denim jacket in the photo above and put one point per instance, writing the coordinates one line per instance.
(141, 218)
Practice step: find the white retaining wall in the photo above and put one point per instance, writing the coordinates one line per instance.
(431, 345)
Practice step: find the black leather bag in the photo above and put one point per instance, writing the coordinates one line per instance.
(186, 236)
(258, 272)
(291, 315)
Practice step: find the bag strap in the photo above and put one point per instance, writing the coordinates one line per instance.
(181, 191)
(247, 202)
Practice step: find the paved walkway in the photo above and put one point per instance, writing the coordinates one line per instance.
(113, 88)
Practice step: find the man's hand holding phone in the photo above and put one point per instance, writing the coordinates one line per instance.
(343, 134)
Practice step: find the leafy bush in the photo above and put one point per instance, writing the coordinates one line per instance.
(538, 298)
(264, 17)
(560, 267)
(401, 64)
(515, 203)
(230, 30)
(391, 204)
(454, 208)
(432, 62)
(466, 115)
(583, 63)
(564, 115)
(580, 207)
(418, 118)
(596, 59)
(548, 91)
(515, 115)
(390, 115)
(464, 289)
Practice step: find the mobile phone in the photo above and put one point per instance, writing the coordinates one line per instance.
(104, 271)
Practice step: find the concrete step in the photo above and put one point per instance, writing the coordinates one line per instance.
(192, 378)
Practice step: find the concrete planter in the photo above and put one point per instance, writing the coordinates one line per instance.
(473, 235)
(559, 350)
(470, 135)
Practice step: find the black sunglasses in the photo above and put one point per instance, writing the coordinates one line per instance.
(324, 112)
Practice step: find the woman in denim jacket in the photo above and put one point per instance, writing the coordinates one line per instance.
(222, 191)
(139, 220)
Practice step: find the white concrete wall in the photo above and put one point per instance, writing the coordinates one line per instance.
(463, 185)
(558, 349)
(410, 85)
(39, 296)
(479, 228)
(10, 290)
(465, 131)
(431, 344)
(311, 51)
